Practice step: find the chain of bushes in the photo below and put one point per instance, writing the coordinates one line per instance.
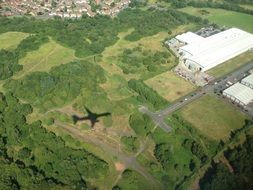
(147, 94)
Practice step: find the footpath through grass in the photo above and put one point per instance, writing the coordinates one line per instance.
(47, 56)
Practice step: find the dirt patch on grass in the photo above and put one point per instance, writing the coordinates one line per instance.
(120, 166)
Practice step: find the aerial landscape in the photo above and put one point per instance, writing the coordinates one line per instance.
(126, 94)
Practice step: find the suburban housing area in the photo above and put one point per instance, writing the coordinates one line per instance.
(62, 8)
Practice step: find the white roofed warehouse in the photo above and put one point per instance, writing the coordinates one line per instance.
(202, 53)
(239, 93)
(248, 81)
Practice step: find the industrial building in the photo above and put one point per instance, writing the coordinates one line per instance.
(239, 93)
(248, 81)
(203, 53)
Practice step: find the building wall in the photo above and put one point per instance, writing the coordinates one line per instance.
(191, 65)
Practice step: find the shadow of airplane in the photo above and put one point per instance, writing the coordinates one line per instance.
(93, 117)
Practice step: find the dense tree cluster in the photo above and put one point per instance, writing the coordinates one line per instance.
(31, 43)
(196, 149)
(8, 64)
(90, 35)
(140, 123)
(138, 3)
(131, 143)
(147, 94)
(240, 1)
(241, 159)
(220, 178)
(241, 177)
(33, 158)
(152, 21)
(163, 154)
(62, 84)
(137, 58)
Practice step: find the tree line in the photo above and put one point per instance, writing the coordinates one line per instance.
(147, 94)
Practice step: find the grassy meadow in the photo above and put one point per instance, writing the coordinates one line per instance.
(10, 40)
(213, 117)
(231, 65)
(47, 56)
(170, 86)
(223, 17)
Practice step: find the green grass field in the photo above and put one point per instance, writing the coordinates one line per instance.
(134, 181)
(47, 56)
(10, 40)
(116, 87)
(223, 17)
(170, 86)
(231, 65)
(213, 117)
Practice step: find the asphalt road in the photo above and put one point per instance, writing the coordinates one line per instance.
(216, 86)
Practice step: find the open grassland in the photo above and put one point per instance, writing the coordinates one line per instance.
(154, 43)
(151, 42)
(231, 65)
(170, 86)
(213, 117)
(116, 87)
(131, 180)
(47, 56)
(223, 17)
(10, 40)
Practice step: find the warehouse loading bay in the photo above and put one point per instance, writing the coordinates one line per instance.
(231, 81)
